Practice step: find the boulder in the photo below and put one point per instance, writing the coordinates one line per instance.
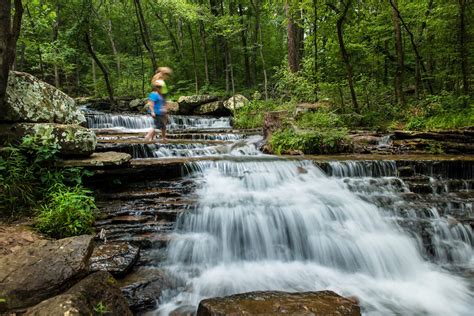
(29, 99)
(116, 258)
(235, 102)
(172, 107)
(188, 103)
(279, 303)
(143, 286)
(97, 294)
(74, 140)
(212, 108)
(43, 269)
(137, 104)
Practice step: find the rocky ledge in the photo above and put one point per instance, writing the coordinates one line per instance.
(280, 303)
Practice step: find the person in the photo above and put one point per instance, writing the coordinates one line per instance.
(157, 109)
(162, 73)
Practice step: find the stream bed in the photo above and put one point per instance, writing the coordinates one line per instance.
(397, 235)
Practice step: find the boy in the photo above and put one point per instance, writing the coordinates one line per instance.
(157, 109)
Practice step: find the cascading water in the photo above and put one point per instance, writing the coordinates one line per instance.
(139, 123)
(285, 225)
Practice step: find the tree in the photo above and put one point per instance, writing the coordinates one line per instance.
(342, 15)
(463, 46)
(10, 26)
(400, 72)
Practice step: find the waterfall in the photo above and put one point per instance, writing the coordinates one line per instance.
(131, 122)
(285, 225)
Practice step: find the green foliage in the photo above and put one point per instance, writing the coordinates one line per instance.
(70, 211)
(441, 112)
(319, 141)
(29, 177)
(17, 181)
(319, 119)
(252, 114)
(299, 86)
(101, 309)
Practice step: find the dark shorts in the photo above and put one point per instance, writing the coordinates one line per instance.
(159, 121)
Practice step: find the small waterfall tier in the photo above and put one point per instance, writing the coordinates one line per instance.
(286, 225)
(138, 123)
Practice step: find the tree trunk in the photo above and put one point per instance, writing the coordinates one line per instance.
(463, 47)
(399, 50)
(145, 34)
(243, 35)
(56, 23)
(259, 43)
(102, 68)
(33, 27)
(9, 32)
(315, 43)
(202, 36)
(293, 37)
(194, 59)
(345, 55)
(114, 48)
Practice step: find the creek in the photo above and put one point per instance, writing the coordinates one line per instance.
(395, 234)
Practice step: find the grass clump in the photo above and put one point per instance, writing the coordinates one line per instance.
(252, 114)
(69, 211)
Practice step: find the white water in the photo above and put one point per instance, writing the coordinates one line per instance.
(283, 225)
(140, 123)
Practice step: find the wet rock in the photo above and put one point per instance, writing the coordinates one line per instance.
(143, 286)
(116, 258)
(97, 294)
(103, 159)
(43, 269)
(212, 108)
(188, 103)
(32, 100)
(74, 140)
(235, 102)
(279, 303)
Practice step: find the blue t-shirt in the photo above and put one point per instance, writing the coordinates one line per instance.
(158, 102)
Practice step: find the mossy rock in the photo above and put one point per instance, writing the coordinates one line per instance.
(29, 99)
(74, 140)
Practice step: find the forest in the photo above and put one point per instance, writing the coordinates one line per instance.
(382, 63)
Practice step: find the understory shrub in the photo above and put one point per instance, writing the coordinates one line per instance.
(318, 141)
(69, 211)
(252, 114)
(30, 181)
(319, 119)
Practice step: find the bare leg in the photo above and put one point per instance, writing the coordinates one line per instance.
(163, 135)
(150, 135)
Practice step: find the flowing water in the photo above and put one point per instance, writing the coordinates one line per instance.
(141, 123)
(288, 225)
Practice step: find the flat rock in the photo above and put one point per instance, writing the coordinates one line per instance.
(143, 286)
(97, 294)
(102, 159)
(188, 103)
(73, 140)
(279, 303)
(43, 269)
(32, 100)
(117, 258)
(172, 107)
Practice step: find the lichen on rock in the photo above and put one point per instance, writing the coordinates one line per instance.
(32, 100)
